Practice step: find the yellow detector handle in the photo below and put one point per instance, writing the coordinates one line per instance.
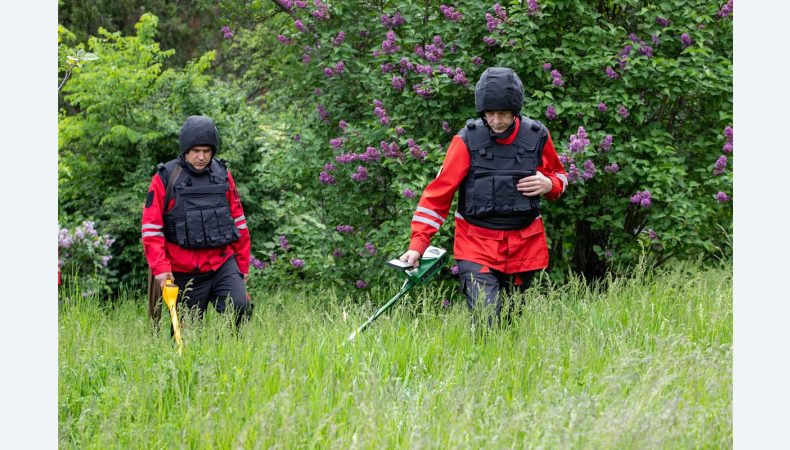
(170, 295)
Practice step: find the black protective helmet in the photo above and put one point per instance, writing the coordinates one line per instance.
(499, 89)
(198, 130)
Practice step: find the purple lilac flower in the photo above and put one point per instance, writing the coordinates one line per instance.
(547, 66)
(360, 284)
(337, 253)
(343, 125)
(725, 11)
(284, 243)
(341, 36)
(720, 165)
(344, 229)
(297, 137)
(623, 111)
(329, 167)
(633, 37)
(491, 22)
(645, 49)
(371, 154)
(446, 127)
(79, 234)
(728, 133)
(227, 33)
(534, 8)
(489, 41)
(416, 152)
(606, 143)
(301, 4)
(579, 141)
(299, 26)
(388, 45)
(608, 254)
(450, 13)
(326, 178)
(557, 77)
(321, 11)
(317, 92)
(399, 131)
(336, 143)
(257, 263)
(283, 39)
(298, 263)
(589, 170)
(565, 158)
(551, 114)
(346, 158)
(454, 269)
(500, 12)
(573, 174)
(611, 73)
(662, 21)
(361, 174)
(340, 67)
(398, 83)
(381, 112)
(656, 40)
(652, 234)
(273, 257)
(387, 67)
(602, 107)
(105, 259)
(686, 40)
(611, 168)
(370, 248)
(322, 112)
(391, 150)
(642, 198)
(408, 193)
(721, 197)
(727, 147)
(423, 90)
(306, 59)
(328, 72)
(446, 303)
(477, 60)
(460, 77)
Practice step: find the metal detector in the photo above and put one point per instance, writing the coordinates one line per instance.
(431, 263)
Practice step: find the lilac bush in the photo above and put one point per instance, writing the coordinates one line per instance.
(635, 112)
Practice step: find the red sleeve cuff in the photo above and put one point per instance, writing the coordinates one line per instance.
(419, 245)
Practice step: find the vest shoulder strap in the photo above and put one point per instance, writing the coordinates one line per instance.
(475, 135)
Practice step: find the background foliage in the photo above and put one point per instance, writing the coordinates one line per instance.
(304, 96)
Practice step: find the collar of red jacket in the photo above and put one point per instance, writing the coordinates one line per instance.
(509, 140)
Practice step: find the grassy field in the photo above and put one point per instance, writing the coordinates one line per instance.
(644, 363)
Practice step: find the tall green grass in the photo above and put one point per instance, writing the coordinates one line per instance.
(627, 364)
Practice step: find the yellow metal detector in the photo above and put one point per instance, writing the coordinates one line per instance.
(170, 295)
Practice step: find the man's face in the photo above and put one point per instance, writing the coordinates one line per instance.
(199, 156)
(499, 121)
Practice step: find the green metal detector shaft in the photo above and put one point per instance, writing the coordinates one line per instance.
(407, 285)
(430, 264)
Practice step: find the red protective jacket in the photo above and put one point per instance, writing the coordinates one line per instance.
(163, 256)
(508, 251)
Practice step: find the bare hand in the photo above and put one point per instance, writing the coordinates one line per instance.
(534, 185)
(411, 257)
(163, 277)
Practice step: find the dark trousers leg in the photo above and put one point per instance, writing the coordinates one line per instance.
(215, 287)
(484, 288)
(228, 284)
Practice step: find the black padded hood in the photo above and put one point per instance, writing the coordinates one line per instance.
(499, 89)
(198, 130)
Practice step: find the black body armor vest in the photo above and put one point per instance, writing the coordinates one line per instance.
(488, 196)
(200, 217)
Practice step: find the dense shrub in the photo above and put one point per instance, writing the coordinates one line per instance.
(122, 116)
(637, 96)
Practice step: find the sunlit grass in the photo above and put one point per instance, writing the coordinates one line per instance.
(639, 363)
